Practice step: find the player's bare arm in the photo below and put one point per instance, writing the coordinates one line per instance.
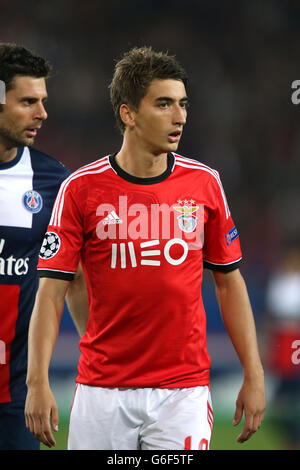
(40, 406)
(77, 301)
(238, 319)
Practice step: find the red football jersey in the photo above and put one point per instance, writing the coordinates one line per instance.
(142, 243)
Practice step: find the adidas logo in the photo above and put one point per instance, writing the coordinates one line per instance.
(112, 219)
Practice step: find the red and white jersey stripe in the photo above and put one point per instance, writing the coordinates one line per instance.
(99, 166)
(194, 164)
(210, 416)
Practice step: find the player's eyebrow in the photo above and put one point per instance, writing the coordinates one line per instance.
(33, 99)
(171, 100)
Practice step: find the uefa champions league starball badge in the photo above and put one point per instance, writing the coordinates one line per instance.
(50, 246)
(187, 221)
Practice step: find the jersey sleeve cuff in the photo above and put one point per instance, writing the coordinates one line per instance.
(65, 276)
(225, 268)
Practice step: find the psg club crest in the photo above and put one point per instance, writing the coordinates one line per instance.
(33, 201)
(50, 246)
(187, 221)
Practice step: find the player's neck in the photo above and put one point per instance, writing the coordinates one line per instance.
(140, 162)
(7, 154)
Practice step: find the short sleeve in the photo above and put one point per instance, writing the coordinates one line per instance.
(61, 248)
(221, 249)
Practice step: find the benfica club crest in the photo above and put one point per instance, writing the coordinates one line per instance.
(187, 221)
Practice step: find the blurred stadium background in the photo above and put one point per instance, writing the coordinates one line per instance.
(242, 58)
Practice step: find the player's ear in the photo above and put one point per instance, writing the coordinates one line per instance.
(127, 115)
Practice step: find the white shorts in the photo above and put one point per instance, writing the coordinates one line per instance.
(140, 419)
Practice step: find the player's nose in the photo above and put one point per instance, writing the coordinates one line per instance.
(41, 112)
(179, 116)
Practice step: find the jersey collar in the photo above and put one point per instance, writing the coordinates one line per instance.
(14, 161)
(137, 180)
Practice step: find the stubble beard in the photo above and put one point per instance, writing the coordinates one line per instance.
(14, 138)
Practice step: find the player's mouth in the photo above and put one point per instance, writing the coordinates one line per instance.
(32, 131)
(174, 137)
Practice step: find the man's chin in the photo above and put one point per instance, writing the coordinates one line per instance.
(170, 147)
(14, 141)
(25, 142)
(29, 142)
(166, 148)
(173, 147)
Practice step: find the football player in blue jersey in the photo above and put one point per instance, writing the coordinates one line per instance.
(29, 182)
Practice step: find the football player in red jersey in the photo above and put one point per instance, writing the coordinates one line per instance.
(143, 374)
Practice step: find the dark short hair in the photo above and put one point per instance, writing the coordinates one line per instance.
(18, 61)
(133, 74)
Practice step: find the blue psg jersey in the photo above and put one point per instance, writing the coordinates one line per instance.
(28, 187)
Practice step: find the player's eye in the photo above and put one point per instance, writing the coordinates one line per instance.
(28, 101)
(184, 104)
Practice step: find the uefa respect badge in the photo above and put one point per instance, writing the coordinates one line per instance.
(2, 92)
